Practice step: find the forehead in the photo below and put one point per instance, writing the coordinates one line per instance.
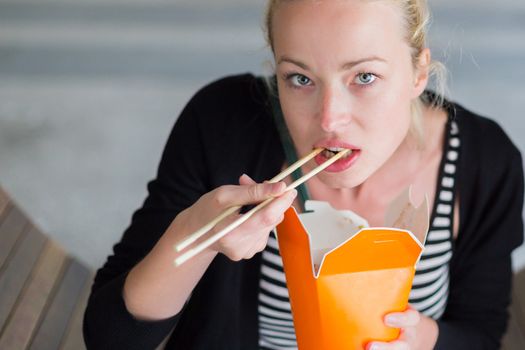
(338, 26)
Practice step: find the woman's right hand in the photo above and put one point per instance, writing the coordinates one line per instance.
(155, 290)
(251, 236)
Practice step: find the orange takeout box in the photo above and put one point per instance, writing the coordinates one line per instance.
(343, 278)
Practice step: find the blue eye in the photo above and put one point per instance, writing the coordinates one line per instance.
(300, 80)
(365, 78)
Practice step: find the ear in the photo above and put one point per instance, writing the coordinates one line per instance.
(422, 72)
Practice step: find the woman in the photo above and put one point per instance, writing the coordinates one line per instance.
(349, 74)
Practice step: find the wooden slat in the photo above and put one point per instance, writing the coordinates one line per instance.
(514, 339)
(34, 298)
(10, 230)
(74, 340)
(518, 295)
(4, 200)
(17, 271)
(52, 330)
(43, 293)
(4, 211)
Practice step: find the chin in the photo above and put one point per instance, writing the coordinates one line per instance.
(341, 180)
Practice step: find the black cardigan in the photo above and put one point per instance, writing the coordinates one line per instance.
(226, 130)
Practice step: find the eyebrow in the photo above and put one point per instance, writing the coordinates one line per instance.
(344, 66)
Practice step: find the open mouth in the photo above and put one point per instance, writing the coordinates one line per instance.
(345, 162)
(332, 151)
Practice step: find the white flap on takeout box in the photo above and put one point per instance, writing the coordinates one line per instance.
(329, 228)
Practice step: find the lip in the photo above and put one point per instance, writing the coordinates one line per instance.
(335, 143)
(341, 164)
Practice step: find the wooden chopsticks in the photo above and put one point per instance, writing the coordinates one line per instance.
(209, 241)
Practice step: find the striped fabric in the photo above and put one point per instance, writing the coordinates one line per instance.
(431, 282)
(430, 287)
(276, 330)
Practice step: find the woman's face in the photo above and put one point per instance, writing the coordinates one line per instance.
(346, 80)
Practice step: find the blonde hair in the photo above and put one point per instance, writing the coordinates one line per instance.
(417, 18)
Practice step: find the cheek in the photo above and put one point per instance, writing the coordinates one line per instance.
(386, 107)
(385, 111)
(397, 110)
(299, 114)
(387, 123)
(298, 101)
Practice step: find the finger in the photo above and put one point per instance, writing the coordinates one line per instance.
(242, 241)
(408, 318)
(399, 345)
(252, 234)
(237, 245)
(244, 244)
(378, 346)
(272, 215)
(262, 221)
(258, 246)
(234, 245)
(408, 334)
(246, 180)
(228, 195)
(393, 345)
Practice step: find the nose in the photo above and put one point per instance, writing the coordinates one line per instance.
(334, 110)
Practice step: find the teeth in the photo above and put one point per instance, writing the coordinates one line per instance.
(335, 149)
(331, 151)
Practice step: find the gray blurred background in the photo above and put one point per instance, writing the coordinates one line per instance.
(89, 90)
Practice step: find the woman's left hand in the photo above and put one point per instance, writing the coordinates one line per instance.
(418, 332)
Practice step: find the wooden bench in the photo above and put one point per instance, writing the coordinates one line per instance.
(43, 290)
(515, 337)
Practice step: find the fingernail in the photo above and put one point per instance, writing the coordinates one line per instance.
(277, 188)
(393, 320)
(291, 193)
(374, 346)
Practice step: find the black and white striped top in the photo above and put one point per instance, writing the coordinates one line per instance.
(431, 282)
